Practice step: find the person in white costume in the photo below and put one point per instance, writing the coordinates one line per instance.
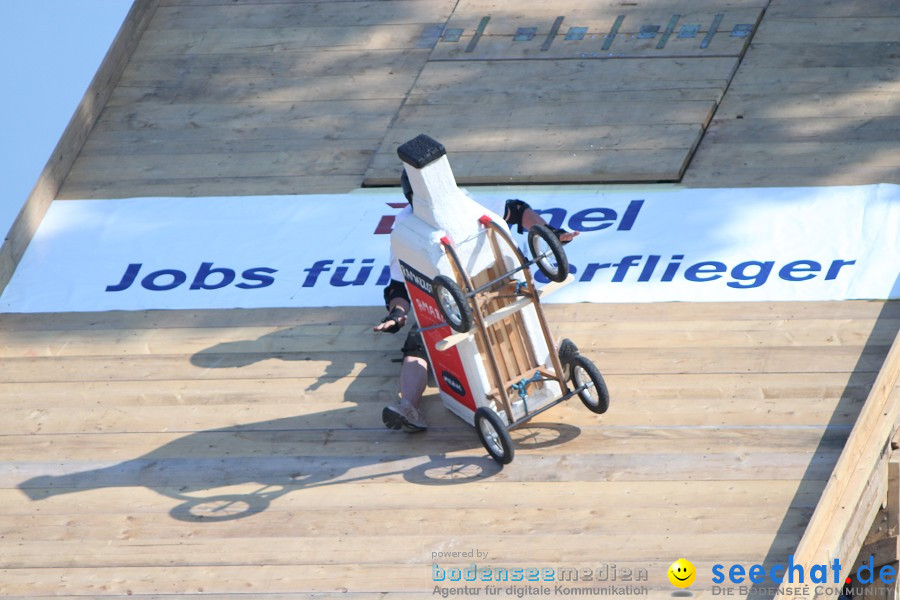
(414, 368)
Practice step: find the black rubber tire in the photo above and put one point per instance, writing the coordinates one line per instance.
(542, 233)
(457, 313)
(493, 434)
(585, 373)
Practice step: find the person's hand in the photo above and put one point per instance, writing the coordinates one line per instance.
(392, 323)
(568, 236)
(564, 236)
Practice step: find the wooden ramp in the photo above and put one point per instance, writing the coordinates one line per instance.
(240, 454)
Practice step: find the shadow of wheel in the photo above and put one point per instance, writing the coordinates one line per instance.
(452, 471)
(220, 508)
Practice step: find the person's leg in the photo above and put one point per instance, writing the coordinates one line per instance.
(413, 380)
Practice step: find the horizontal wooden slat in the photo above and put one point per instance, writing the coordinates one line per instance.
(174, 42)
(378, 363)
(780, 312)
(786, 175)
(816, 30)
(835, 9)
(323, 337)
(100, 188)
(303, 14)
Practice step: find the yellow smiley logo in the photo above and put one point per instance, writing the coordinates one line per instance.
(682, 573)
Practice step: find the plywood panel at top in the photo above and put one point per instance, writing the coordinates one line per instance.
(643, 122)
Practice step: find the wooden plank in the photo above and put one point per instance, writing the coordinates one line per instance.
(145, 69)
(507, 18)
(304, 116)
(684, 396)
(852, 495)
(781, 175)
(318, 436)
(505, 48)
(99, 188)
(542, 138)
(35, 478)
(493, 78)
(367, 364)
(359, 407)
(830, 80)
(570, 162)
(46, 533)
(813, 154)
(338, 160)
(785, 131)
(323, 409)
(818, 30)
(802, 106)
(302, 14)
(120, 144)
(531, 6)
(786, 54)
(562, 97)
(411, 574)
(349, 3)
(483, 168)
(240, 89)
(300, 134)
(577, 115)
(881, 541)
(557, 314)
(640, 496)
(800, 9)
(176, 42)
(74, 136)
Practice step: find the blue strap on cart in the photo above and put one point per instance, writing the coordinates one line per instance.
(522, 386)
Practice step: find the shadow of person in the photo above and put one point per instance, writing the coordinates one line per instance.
(209, 471)
(301, 343)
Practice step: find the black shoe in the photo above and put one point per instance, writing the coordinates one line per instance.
(567, 353)
(395, 417)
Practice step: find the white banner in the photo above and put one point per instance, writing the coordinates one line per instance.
(638, 244)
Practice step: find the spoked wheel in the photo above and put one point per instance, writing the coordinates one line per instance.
(493, 434)
(586, 375)
(452, 303)
(548, 253)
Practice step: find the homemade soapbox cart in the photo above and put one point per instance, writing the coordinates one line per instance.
(499, 366)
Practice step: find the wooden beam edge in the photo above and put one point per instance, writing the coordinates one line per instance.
(73, 138)
(857, 485)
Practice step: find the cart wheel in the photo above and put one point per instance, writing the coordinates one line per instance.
(543, 242)
(586, 374)
(494, 435)
(452, 303)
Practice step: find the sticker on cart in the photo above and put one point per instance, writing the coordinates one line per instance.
(447, 365)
